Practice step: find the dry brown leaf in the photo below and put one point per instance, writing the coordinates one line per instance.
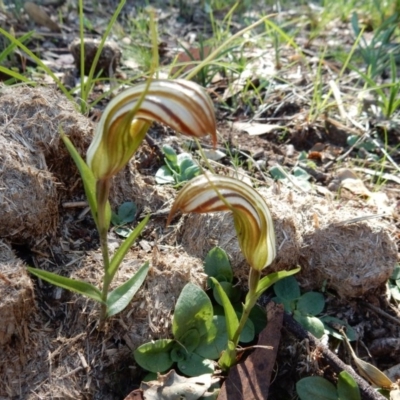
(255, 128)
(39, 16)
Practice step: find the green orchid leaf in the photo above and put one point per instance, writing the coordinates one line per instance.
(88, 179)
(194, 365)
(178, 353)
(233, 293)
(316, 387)
(125, 246)
(232, 322)
(218, 266)
(273, 278)
(120, 297)
(313, 324)
(212, 349)
(396, 273)
(74, 285)
(155, 356)
(190, 340)
(311, 303)
(347, 387)
(193, 309)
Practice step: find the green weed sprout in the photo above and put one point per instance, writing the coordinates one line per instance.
(256, 235)
(183, 106)
(178, 168)
(317, 387)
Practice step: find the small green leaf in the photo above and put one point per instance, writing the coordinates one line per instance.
(277, 173)
(328, 321)
(217, 265)
(289, 305)
(300, 173)
(120, 297)
(396, 273)
(164, 176)
(316, 388)
(232, 322)
(347, 387)
(194, 365)
(127, 212)
(155, 356)
(125, 246)
(313, 324)
(191, 172)
(287, 288)
(193, 309)
(311, 303)
(67, 283)
(170, 155)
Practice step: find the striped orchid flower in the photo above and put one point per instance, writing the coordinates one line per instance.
(182, 105)
(252, 218)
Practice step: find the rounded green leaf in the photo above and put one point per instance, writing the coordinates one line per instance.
(347, 387)
(311, 303)
(217, 265)
(248, 333)
(127, 212)
(178, 353)
(313, 324)
(190, 340)
(316, 388)
(164, 175)
(259, 318)
(212, 349)
(193, 309)
(194, 365)
(277, 173)
(155, 356)
(289, 305)
(287, 288)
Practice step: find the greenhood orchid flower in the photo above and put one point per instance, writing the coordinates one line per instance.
(252, 218)
(182, 105)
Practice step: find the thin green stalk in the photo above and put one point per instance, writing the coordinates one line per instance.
(251, 300)
(102, 192)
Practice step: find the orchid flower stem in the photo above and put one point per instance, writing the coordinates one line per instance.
(251, 300)
(102, 192)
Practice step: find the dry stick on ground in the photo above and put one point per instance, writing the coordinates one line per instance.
(367, 392)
